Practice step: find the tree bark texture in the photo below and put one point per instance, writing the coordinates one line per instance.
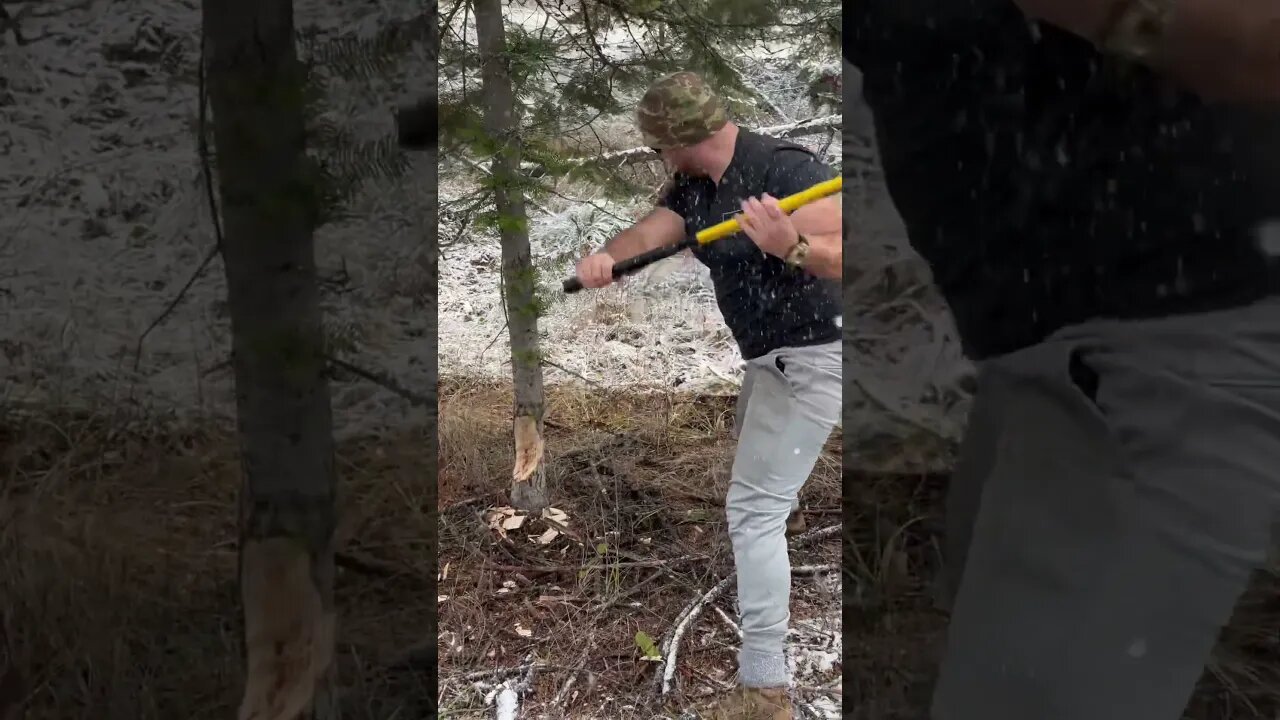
(528, 488)
(255, 83)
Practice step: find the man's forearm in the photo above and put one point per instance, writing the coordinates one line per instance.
(826, 256)
(628, 243)
(1221, 49)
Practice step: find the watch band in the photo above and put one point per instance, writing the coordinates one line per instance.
(798, 253)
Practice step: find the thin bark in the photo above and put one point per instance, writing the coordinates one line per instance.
(528, 486)
(278, 356)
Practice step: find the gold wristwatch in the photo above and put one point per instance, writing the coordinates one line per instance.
(798, 252)
(1135, 29)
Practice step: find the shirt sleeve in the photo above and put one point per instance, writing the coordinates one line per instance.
(794, 171)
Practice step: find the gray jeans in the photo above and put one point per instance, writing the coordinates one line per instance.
(1118, 485)
(789, 404)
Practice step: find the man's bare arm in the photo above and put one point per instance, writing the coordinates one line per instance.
(660, 227)
(822, 222)
(1221, 49)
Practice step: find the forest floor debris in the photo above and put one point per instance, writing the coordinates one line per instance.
(619, 614)
(117, 559)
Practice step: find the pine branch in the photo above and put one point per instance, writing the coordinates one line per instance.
(619, 158)
(206, 169)
(812, 126)
(356, 58)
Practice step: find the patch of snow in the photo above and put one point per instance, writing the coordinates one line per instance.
(103, 217)
(507, 704)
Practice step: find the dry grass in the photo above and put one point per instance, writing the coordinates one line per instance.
(117, 563)
(642, 478)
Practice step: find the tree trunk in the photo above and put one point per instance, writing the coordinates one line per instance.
(528, 485)
(282, 397)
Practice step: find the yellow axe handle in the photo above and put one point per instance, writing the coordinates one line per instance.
(789, 204)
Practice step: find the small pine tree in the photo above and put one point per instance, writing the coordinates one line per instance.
(528, 121)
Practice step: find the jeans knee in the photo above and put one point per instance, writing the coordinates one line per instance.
(755, 512)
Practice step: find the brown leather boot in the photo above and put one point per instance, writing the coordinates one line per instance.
(745, 703)
(796, 523)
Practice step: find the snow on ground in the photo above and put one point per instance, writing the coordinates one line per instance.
(103, 217)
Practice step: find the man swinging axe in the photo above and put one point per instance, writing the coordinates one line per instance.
(778, 287)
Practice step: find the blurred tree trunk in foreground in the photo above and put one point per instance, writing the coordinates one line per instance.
(269, 199)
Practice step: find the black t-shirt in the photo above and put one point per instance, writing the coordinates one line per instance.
(765, 303)
(1047, 184)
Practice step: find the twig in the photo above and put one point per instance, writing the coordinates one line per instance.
(464, 502)
(817, 534)
(574, 373)
(202, 150)
(808, 710)
(721, 375)
(813, 569)
(501, 330)
(488, 171)
(14, 23)
(619, 597)
(504, 672)
(694, 610)
(384, 380)
(365, 565)
(563, 693)
(834, 691)
(689, 613)
(515, 689)
(574, 567)
(728, 621)
(811, 126)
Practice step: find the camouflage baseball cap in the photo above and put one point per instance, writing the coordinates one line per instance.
(679, 110)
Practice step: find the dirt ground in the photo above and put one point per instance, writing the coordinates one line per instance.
(641, 478)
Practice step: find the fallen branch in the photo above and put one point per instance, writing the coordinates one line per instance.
(577, 567)
(812, 126)
(575, 373)
(13, 23)
(687, 618)
(206, 170)
(629, 592)
(813, 569)
(817, 534)
(504, 672)
(506, 698)
(817, 690)
(808, 710)
(618, 158)
(466, 501)
(562, 695)
(367, 565)
(671, 646)
(728, 621)
(383, 380)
